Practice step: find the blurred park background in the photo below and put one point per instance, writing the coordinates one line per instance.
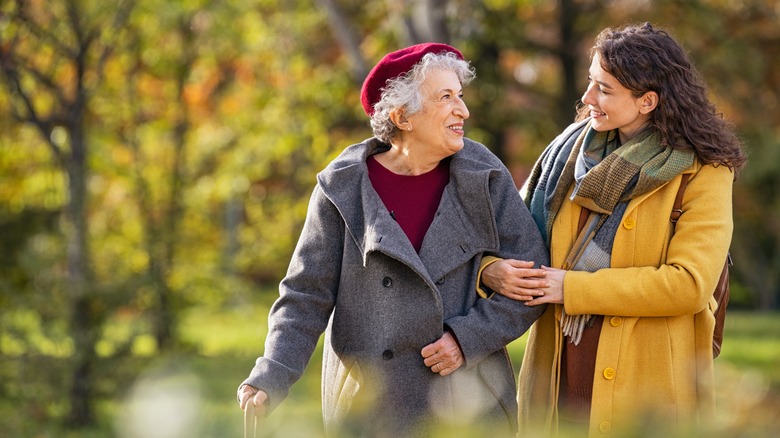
(156, 158)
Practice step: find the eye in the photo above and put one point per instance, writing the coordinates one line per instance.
(598, 87)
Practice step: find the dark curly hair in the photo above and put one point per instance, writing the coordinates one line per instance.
(643, 58)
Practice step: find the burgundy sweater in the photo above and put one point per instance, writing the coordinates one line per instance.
(411, 200)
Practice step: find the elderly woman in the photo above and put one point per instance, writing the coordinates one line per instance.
(386, 263)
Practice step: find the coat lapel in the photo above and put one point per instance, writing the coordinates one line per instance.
(453, 238)
(368, 222)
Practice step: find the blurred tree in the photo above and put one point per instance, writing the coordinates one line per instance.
(52, 61)
(175, 67)
(180, 140)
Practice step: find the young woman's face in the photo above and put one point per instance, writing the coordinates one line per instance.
(611, 105)
(438, 126)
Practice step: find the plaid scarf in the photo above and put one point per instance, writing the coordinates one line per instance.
(606, 175)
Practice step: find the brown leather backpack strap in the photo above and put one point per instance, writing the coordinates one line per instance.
(721, 292)
(677, 208)
(584, 213)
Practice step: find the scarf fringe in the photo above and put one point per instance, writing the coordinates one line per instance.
(573, 326)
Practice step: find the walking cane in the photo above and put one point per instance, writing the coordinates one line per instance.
(250, 420)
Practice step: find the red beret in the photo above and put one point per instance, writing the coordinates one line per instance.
(395, 64)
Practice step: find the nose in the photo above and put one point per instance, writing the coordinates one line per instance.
(587, 97)
(461, 109)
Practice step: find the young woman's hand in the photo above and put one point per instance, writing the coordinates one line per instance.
(553, 292)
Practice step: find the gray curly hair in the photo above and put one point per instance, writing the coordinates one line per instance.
(404, 91)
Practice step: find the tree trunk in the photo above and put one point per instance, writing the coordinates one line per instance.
(347, 37)
(84, 311)
(569, 57)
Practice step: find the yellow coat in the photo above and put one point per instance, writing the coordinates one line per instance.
(654, 361)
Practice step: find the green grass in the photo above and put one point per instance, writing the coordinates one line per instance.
(747, 372)
(195, 391)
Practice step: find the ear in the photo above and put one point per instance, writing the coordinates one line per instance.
(399, 119)
(648, 102)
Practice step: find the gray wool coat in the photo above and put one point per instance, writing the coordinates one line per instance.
(355, 275)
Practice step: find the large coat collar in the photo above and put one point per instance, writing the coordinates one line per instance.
(463, 226)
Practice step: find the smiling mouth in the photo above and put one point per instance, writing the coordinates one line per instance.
(595, 113)
(456, 128)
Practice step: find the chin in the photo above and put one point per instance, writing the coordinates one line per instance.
(599, 126)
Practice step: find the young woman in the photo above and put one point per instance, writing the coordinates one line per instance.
(626, 339)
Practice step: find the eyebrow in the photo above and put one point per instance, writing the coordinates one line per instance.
(448, 90)
(602, 83)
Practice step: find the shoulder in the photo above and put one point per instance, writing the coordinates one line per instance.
(476, 166)
(710, 173)
(350, 163)
(354, 154)
(476, 156)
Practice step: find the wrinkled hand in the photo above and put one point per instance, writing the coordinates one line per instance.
(443, 356)
(515, 279)
(250, 394)
(553, 293)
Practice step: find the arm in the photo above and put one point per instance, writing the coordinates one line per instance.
(306, 299)
(492, 323)
(694, 259)
(517, 279)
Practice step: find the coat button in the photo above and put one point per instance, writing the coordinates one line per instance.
(615, 321)
(440, 281)
(605, 427)
(629, 223)
(387, 355)
(609, 373)
(387, 282)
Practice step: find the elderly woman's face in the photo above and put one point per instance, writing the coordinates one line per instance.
(438, 126)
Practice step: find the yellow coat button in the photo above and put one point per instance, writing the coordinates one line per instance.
(605, 427)
(629, 223)
(609, 373)
(615, 321)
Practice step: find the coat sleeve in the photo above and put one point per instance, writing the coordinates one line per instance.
(306, 299)
(493, 323)
(683, 281)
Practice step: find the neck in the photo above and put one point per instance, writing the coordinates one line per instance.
(402, 159)
(626, 136)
